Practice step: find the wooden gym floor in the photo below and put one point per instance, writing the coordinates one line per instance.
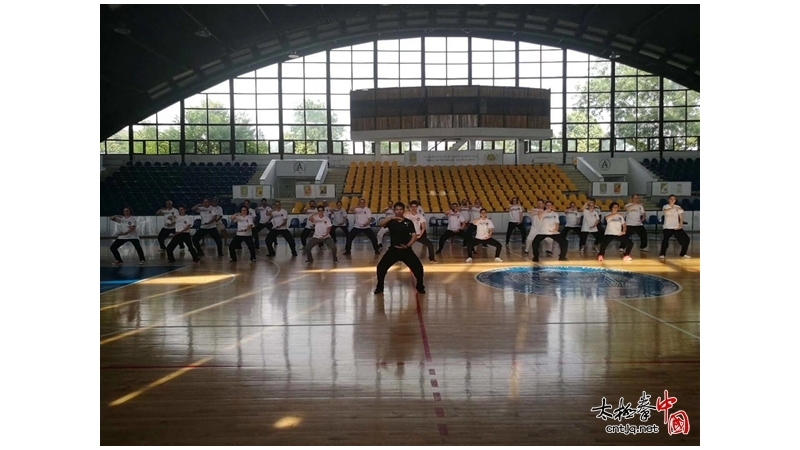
(282, 352)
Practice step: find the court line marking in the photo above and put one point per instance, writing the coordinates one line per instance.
(143, 279)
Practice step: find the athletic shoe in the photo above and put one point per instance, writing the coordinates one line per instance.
(525, 252)
(661, 257)
(600, 258)
(644, 249)
(434, 262)
(309, 261)
(535, 259)
(141, 263)
(686, 257)
(621, 250)
(562, 258)
(421, 290)
(294, 253)
(469, 260)
(548, 253)
(627, 258)
(252, 260)
(583, 249)
(378, 290)
(498, 260)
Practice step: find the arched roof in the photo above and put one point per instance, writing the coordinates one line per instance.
(163, 59)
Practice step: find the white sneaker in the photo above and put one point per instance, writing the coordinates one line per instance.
(662, 257)
(621, 250)
(498, 260)
(469, 260)
(644, 249)
(686, 257)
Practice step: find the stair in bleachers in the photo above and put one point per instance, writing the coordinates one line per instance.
(336, 176)
(255, 180)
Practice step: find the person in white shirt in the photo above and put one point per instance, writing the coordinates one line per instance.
(673, 226)
(515, 211)
(418, 219)
(615, 231)
(280, 222)
(244, 233)
(455, 227)
(484, 227)
(208, 226)
(264, 213)
(128, 233)
(169, 213)
(466, 217)
(548, 229)
(573, 224)
(219, 213)
(309, 228)
(388, 213)
(536, 227)
(591, 221)
(339, 220)
(363, 219)
(634, 221)
(322, 234)
(250, 211)
(183, 236)
(474, 214)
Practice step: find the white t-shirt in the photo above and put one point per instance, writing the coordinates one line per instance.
(417, 219)
(671, 220)
(536, 224)
(241, 225)
(465, 214)
(475, 212)
(310, 212)
(169, 218)
(126, 223)
(321, 225)
(264, 213)
(279, 218)
(363, 216)
(633, 214)
(339, 217)
(182, 222)
(614, 224)
(548, 223)
(573, 217)
(589, 219)
(515, 211)
(454, 221)
(389, 212)
(218, 212)
(206, 214)
(484, 226)
(251, 212)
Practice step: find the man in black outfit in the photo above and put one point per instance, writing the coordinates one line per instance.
(402, 235)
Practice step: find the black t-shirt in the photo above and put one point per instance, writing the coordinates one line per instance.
(400, 232)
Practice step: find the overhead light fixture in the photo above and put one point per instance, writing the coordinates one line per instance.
(613, 55)
(122, 29)
(293, 55)
(203, 33)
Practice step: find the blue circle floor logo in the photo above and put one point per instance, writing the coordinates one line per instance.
(578, 282)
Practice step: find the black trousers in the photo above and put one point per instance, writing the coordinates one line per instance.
(471, 231)
(491, 241)
(427, 243)
(407, 257)
(120, 242)
(351, 235)
(258, 228)
(163, 235)
(624, 240)
(201, 233)
(333, 231)
(236, 243)
(305, 234)
(641, 232)
(680, 235)
(598, 236)
(560, 239)
(566, 230)
(272, 237)
(181, 239)
(514, 226)
(448, 234)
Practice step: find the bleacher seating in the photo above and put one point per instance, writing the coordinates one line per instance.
(438, 186)
(676, 170)
(145, 187)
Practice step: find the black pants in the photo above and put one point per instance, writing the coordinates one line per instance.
(680, 235)
(624, 240)
(560, 239)
(236, 243)
(181, 239)
(427, 243)
(333, 231)
(408, 257)
(641, 232)
(201, 233)
(491, 241)
(598, 236)
(448, 234)
(272, 237)
(471, 231)
(163, 235)
(566, 230)
(514, 226)
(305, 234)
(351, 235)
(258, 228)
(120, 242)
